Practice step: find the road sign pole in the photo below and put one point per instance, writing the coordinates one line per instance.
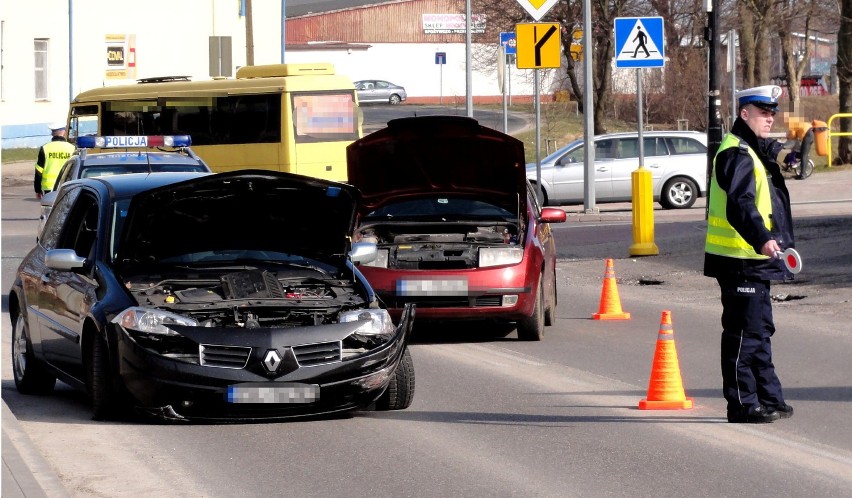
(503, 89)
(537, 90)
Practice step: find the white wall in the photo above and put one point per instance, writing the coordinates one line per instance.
(171, 39)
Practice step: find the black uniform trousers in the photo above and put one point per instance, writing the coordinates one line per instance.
(748, 375)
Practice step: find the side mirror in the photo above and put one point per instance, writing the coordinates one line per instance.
(552, 215)
(364, 252)
(64, 259)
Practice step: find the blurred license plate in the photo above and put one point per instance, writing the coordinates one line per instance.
(273, 393)
(432, 287)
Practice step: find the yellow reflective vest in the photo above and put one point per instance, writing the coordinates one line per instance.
(55, 155)
(722, 238)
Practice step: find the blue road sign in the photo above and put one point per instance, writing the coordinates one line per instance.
(639, 42)
(440, 57)
(508, 40)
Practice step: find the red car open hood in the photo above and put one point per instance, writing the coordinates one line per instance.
(429, 155)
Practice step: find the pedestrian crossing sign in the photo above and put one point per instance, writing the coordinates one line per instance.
(639, 42)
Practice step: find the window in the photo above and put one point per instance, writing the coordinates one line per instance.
(56, 220)
(682, 145)
(40, 51)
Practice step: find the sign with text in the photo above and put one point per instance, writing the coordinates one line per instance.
(120, 57)
(440, 24)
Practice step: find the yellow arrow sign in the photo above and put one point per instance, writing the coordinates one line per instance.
(539, 45)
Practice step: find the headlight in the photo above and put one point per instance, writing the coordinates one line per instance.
(376, 321)
(381, 260)
(496, 256)
(151, 320)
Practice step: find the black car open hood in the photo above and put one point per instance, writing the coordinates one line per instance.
(435, 155)
(248, 209)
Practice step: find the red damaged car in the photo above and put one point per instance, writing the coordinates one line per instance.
(459, 230)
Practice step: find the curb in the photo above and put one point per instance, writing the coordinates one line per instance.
(25, 471)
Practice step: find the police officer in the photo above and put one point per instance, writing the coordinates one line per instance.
(749, 221)
(51, 157)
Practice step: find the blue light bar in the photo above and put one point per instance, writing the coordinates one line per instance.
(135, 141)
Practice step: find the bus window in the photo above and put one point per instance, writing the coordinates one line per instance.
(83, 122)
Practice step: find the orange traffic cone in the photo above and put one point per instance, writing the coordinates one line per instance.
(610, 308)
(665, 390)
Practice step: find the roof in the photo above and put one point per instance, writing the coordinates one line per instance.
(122, 186)
(303, 7)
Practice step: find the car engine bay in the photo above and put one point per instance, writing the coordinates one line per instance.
(438, 246)
(251, 298)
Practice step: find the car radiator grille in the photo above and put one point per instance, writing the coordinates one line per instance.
(211, 355)
(317, 354)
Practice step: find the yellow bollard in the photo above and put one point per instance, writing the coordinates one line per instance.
(643, 214)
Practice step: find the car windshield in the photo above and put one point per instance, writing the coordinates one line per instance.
(237, 256)
(439, 209)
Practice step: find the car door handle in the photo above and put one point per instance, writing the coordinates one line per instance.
(602, 170)
(655, 165)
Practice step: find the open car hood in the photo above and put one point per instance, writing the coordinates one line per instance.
(248, 209)
(433, 155)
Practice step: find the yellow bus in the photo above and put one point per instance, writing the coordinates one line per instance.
(296, 118)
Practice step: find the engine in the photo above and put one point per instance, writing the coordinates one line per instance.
(251, 298)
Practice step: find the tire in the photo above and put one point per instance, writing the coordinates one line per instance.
(532, 328)
(104, 398)
(679, 193)
(542, 201)
(31, 377)
(808, 170)
(400, 391)
(550, 311)
(394, 99)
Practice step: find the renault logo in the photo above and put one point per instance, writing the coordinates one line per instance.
(272, 361)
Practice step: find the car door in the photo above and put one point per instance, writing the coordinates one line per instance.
(367, 93)
(567, 175)
(34, 273)
(654, 158)
(65, 297)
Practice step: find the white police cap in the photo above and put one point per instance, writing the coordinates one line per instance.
(765, 97)
(56, 125)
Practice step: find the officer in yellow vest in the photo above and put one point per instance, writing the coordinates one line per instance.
(51, 158)
(748, 222)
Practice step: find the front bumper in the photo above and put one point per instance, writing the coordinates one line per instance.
(174, 389)
(483, 298)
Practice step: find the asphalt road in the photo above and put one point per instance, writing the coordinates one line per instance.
(497, 417)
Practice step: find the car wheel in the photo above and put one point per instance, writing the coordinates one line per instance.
(532, 328)
(104, 397)
(550, 311)
(394, 99)
(806, 171)
(31, 377)
(400, 391)
(542, 200)
(679, 193)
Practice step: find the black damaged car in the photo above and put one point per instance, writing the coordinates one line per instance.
(192, 296)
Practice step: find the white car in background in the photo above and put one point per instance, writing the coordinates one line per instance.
(677, 161)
